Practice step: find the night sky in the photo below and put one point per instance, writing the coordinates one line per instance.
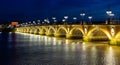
(29, 10)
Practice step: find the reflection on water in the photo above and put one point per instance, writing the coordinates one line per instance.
(25, 49)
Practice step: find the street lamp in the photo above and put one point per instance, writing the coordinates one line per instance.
(75, 18)
(54, 18)
(112, 15)
(112, 18)
(43, 22)
(64, 21)
(34, 22)
(47, 21)
(109, 12)
(66, 17)
(82, 15)
(38, 22)
(90, 19)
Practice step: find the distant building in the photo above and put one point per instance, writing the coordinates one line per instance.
(13, 24)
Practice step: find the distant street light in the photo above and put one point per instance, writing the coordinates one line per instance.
(63, 21)
(82, 15)
(26, 24)
(66, 17)
(43, 22)
(34, 22)
(112, 15)
(112, 18)
(54, 19)
(90, 19)
(38, 22)
(46, 21)
(109, 12)
(75, 18)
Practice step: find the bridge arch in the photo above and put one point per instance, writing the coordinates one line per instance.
(24, 30)
(36, 31)
(99, 34)
(51, 30)
(31, 30)
(76, 33)
(43, 31)
(62, 31)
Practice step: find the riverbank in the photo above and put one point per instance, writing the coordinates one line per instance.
(7, 30)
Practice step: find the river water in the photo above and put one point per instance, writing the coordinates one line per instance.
(28, 49)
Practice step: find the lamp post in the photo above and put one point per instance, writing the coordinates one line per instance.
(75, 19)
(54, 20)
(38, 22)
(108, 14)
(34, 23)
(66, 17)
(82, 15)
(26, 24)
(112, 18)
(90, 19)
(63, 21)
(45, 20)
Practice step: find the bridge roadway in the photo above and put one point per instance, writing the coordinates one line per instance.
(110, 33)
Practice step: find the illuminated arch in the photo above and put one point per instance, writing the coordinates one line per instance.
(91, 32)
(51, 30)
(39, 29)
(62, 31)
(36, 31)
(44, 29)
(29, 30)
(74, 29)
(24, 29)
(75, 33)
(32, 30)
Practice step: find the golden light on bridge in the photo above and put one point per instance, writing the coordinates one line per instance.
(95, 32)
(85, 30)
(112, 31)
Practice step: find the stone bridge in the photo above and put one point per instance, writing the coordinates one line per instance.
(86, 32)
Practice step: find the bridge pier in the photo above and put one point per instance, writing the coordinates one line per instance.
(59, 35)
(115, 41)
(50, 34)
(36, 32)
(86, 38)
(32, 32)
(42, 33)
